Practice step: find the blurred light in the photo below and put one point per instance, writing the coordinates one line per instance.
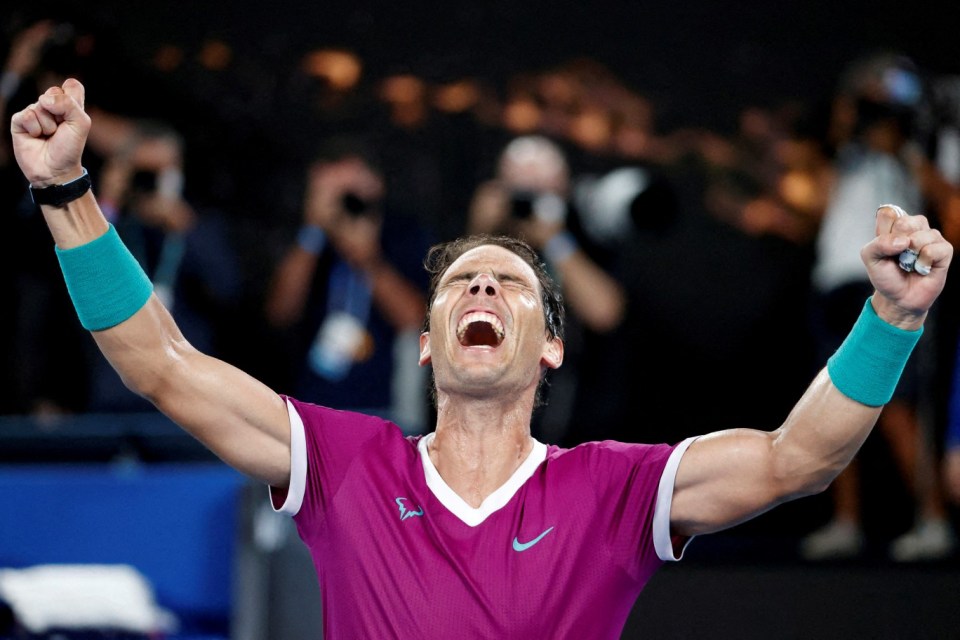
(168, 57)
(591, 128)
(341, 70)
(632, 141)
(521, 115)
(799, 190)
(457, 97)
(216, 55)
(558, 89)
(402, 89)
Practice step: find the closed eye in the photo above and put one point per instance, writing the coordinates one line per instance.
(462, 278)
(505, 280)
(514, 282)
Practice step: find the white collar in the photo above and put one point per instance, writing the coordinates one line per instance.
(496, 500)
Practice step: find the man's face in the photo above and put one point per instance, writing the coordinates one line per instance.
(487, 332)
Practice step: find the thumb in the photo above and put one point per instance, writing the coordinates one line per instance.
(75, 90)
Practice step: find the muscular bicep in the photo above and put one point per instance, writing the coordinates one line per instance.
(237, 417)
(725, 478)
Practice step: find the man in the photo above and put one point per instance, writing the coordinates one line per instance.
(476, 530)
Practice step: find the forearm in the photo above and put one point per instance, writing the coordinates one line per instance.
(290, 287)
(591, 293)
(79, 222)
(836, 414)
(819, 438)
(397, 299)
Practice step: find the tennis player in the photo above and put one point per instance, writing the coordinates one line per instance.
(476, 530)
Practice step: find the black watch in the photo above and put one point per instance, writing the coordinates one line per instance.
(57, 195)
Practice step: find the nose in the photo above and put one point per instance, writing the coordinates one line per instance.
(484, 284)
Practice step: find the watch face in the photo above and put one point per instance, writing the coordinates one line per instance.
(60, 194)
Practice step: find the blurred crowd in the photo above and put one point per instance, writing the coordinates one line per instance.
(699, 267)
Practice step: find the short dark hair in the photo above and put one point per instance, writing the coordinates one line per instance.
(441, 256)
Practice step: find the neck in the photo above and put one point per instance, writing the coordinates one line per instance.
(479, 444)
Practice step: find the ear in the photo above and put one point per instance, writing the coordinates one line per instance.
(424, 348)
(552, 356)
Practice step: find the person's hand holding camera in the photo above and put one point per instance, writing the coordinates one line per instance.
(343, 199)
(537, 217)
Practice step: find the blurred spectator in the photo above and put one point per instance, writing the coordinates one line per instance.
(877, 163)
(350, 292)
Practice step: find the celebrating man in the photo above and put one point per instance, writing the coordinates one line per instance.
(476, 530)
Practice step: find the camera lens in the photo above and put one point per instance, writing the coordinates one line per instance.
(354, 205)
(521, 205)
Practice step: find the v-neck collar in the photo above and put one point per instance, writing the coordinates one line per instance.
(457, 506)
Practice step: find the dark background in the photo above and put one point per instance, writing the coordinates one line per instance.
(700, 61)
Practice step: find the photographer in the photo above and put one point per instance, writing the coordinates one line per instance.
(348, 293)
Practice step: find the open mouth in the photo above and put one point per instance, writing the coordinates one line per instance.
(480, 329)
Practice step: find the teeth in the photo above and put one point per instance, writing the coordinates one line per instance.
(480, 316)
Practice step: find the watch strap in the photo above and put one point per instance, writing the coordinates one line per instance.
(58, 195)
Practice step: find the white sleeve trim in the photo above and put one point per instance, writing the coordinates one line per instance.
(662, 541)
(298, 465)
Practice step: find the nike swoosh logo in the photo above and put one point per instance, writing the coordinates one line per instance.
(523, 546)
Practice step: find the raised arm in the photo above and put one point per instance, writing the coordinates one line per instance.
(237, 417)
(731, 476)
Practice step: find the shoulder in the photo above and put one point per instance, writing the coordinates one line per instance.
(611, 450)
(609, 461)
(327, 423)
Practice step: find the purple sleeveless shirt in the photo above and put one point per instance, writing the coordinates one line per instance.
(562, 550)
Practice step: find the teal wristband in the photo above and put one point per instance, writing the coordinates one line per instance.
(868, 364)
(105, 282)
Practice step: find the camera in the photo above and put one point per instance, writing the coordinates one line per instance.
(521, 205)
(144, 181)
(546, 207)
(355, 206)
